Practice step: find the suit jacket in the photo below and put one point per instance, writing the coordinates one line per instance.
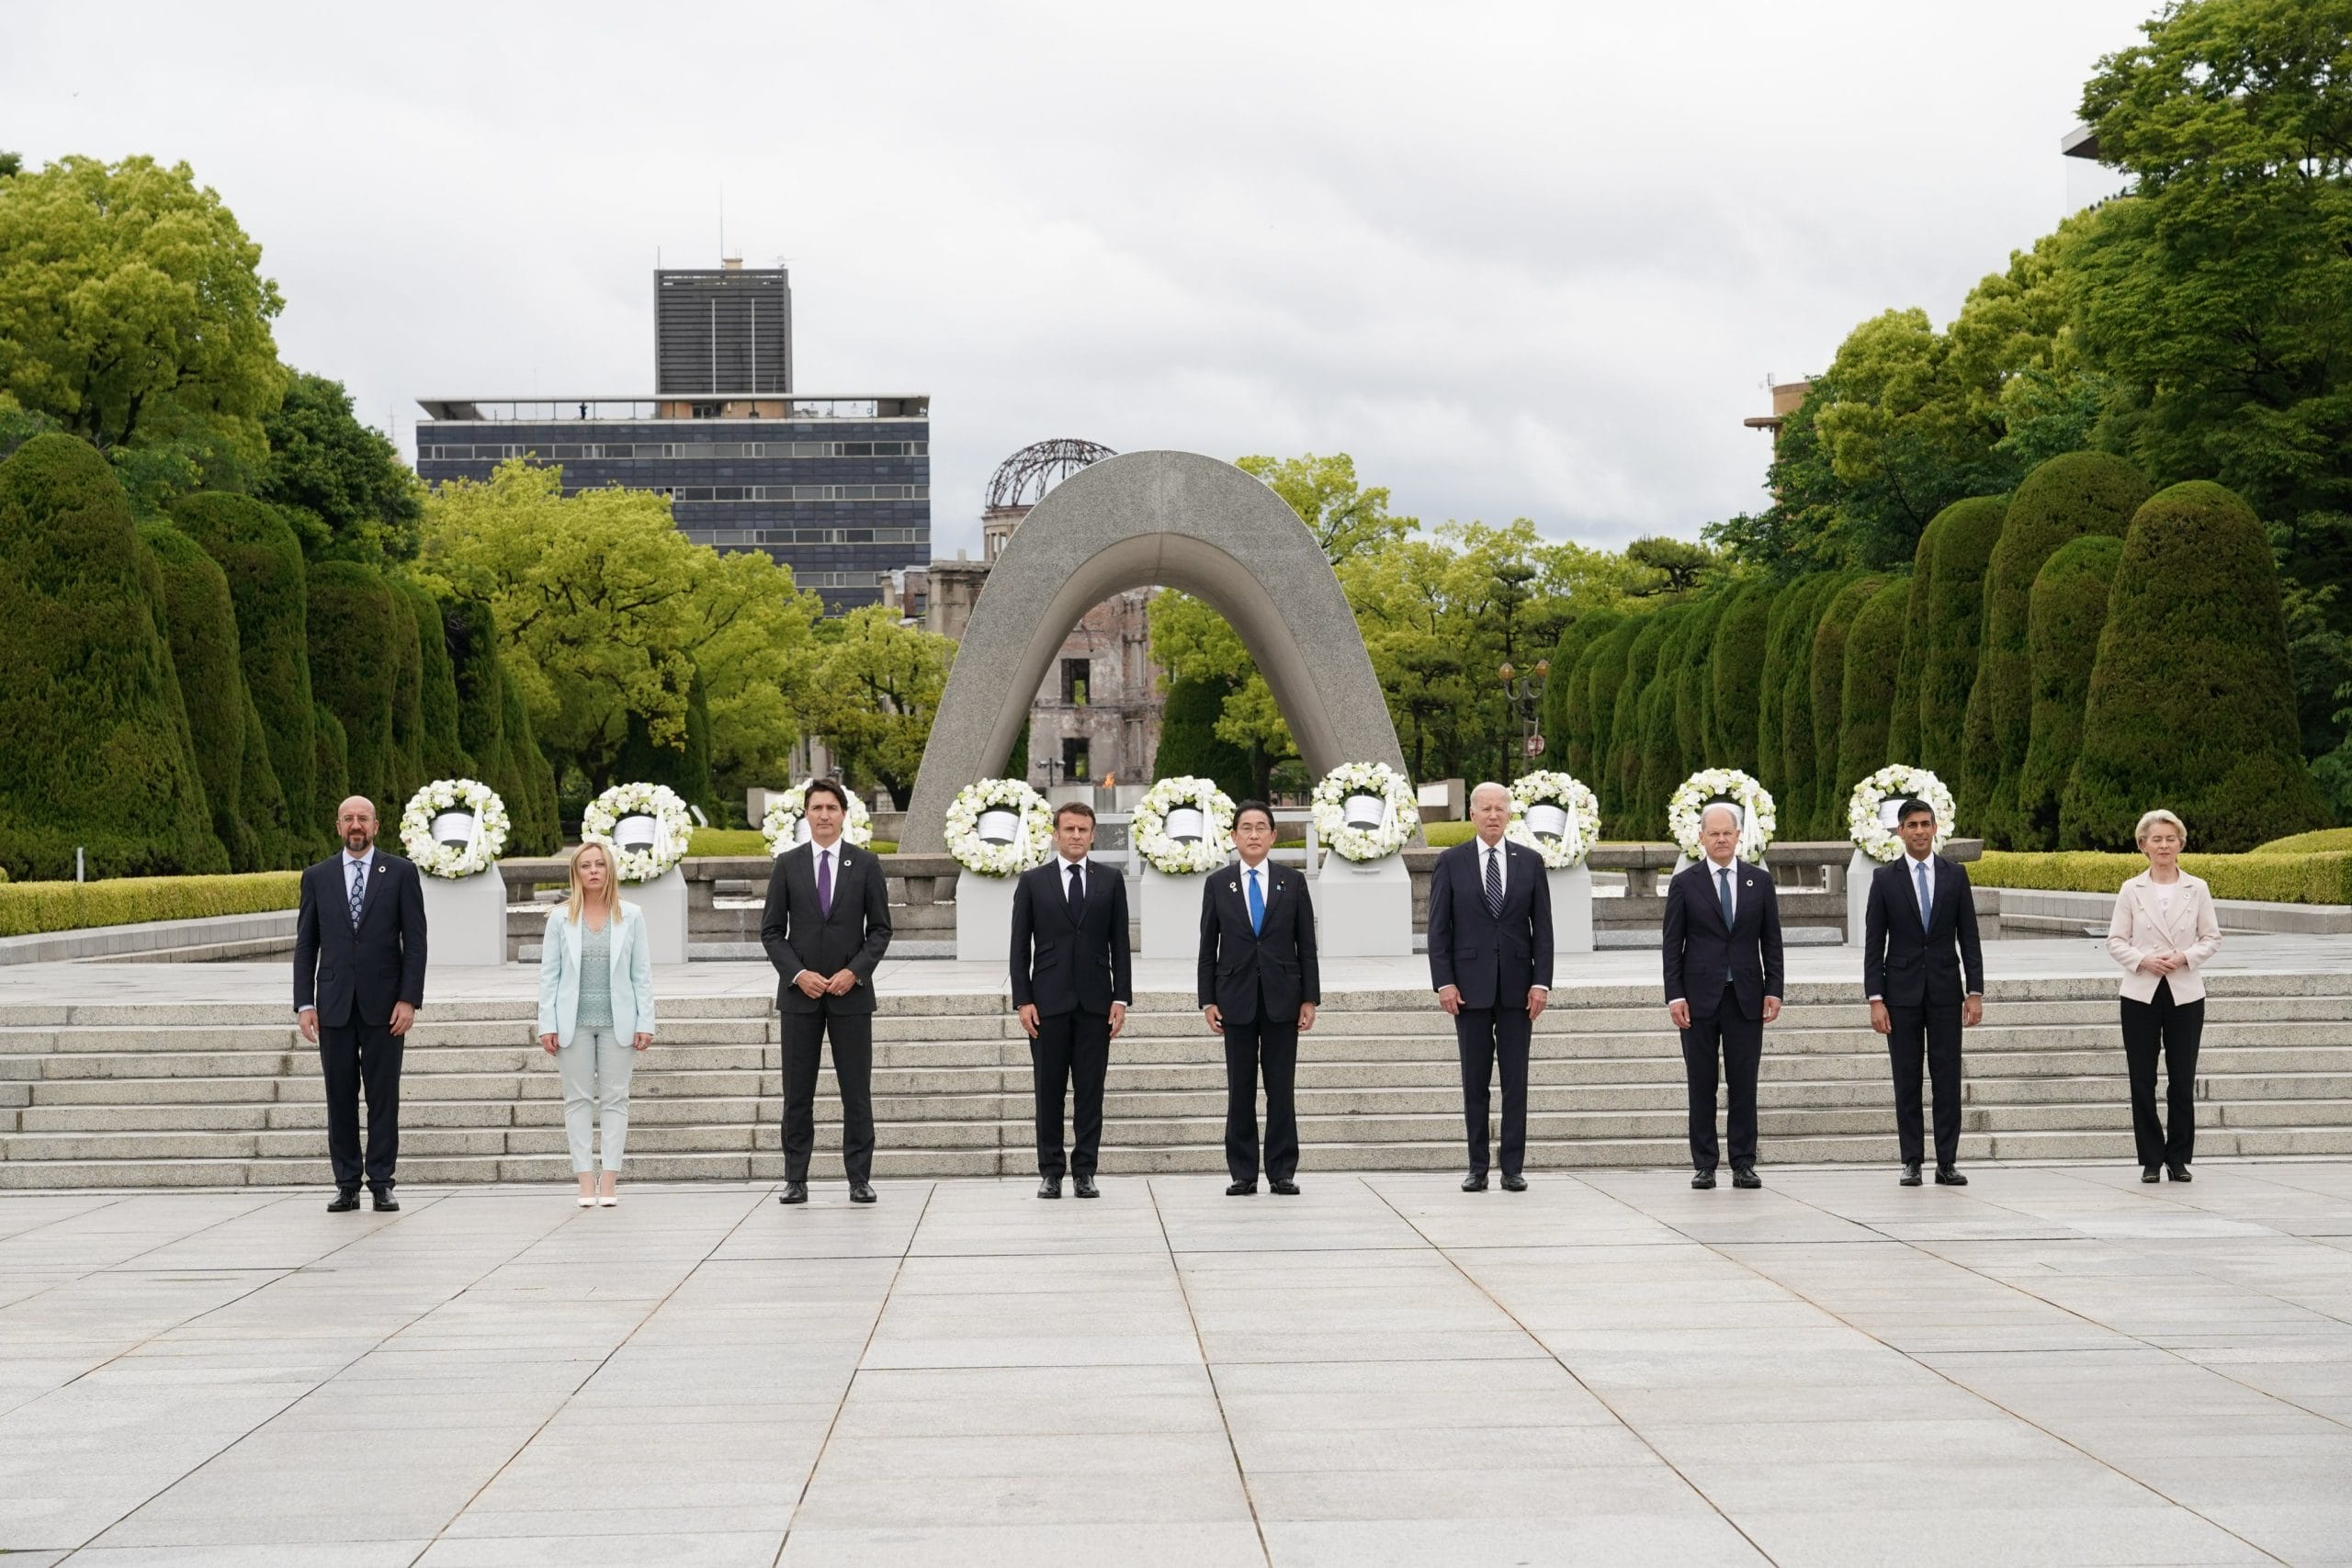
(1702, 956)
(1063, 964)
(1239, 966)
(798, 935)
(631, 966)
(1908, 966)
(358, 974)
(1493, 962)
(2142, 927)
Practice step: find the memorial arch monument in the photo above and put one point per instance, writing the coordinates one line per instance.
(1177, 520)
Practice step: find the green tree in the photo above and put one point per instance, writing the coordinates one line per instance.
(1735, 673)
(1621, 768)
(355, 630)
(686, 768)
(876, 690)
(2064, 619)
(332, 760)
(1661, 745)
(1604, 665)
(440, 751)
(1567, 694)
(537, 818)
(96, 756)
(1823, 813)
(1866, 704)
(1694, 683)
(1677, 566)
(1189, 746)
(1345, 516)
(1802, 760)
(1903, 730)
(342, 482)
(1968, 538)
(2189, 704)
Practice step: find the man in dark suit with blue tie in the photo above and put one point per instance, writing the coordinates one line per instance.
(1723, 986)
(1258, 987)
(1490, 959)
(1919, 948)
(358, 980)
(1071, 986)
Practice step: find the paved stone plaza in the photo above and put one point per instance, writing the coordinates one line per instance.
(2055, 1365)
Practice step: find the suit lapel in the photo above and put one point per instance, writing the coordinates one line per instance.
(370, 873)
(1709, 895)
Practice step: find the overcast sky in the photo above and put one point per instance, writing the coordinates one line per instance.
(1518, 260)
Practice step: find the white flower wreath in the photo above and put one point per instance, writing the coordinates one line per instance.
(649, 852)
(1556, 816)
(454, 827)
(1362, 834)
(1709, 786)
(1866, 820)
(1021, 834)
(786, 822)
(1212, 839)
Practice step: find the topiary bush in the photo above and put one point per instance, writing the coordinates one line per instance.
(2061, 500)
(1189, 746)
(1903, 730)
(406, 759)
(29, 908)
(1621, 790)
(1800, 764)
(1661, 746)
(1694, 683)
(1735, 673)
(332, 764)
(685, 767)
(442, 752)
(1553, 708)
(1866, 699)
(268, 587)
(1966, 534)
(94, 754)
(1810, 817)
(2064, 618)
(1788, 641)
(2191, 704)
(540, 825)
(2307, 843)
(1604, 676)
(356, 625)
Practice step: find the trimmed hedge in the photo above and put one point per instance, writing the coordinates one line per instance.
(1603, 667)
(2323, 878)
(443, 754)
(1809, 819)
(331, 761)
(1661, 760)
(1694, 685)
(1620, 784)
(2190, 688)
(404, 768)
(538, 826)
(2305, 843)
(1903, 733)
(28, 907)
(354, 671)
(1966, 537)
(1553, 707)
(1788, 636)
(2064, 618)
(1736, 672)
(2061, 500)
(89, 703)
(1866, 702)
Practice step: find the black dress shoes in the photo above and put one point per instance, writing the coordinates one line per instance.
(2150, 1173)
(1949, 1176)
(794, 1192)
(343, 1202)
(1704, 1180)
(1242, 1190)
(1287, 1188)
(1745, 1176)
(385, 1202)
(1475, 1182)
(861, 1192)
(1049, 1187)
(1910, 1173)
(1513, 1182)
(1083, 1185)
(2179, 1172)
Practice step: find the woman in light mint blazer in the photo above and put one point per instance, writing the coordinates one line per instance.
(595, 1013)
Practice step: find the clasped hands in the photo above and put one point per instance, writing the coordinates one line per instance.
(2163, 962)
(813, 985)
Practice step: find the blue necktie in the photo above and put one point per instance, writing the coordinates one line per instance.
(1927, 903)
(1257, 905)
(1723, 893)
(359, 887)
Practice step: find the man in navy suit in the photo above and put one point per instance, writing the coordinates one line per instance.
(1258, 987)
(1918, 943)
(1723, 986)
(1071, 985)
(358, 980)
(1490, 959)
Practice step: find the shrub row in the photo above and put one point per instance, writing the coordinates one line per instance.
(27, 907)
(2277, 878)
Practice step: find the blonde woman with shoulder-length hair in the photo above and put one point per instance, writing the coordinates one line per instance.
(2162, 931)
(595, 1013)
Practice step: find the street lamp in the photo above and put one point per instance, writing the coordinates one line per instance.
(1524, 692)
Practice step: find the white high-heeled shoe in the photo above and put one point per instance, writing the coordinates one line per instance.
(587, 1200)
(608, 1201)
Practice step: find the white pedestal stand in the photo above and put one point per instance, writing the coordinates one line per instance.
(983, 918)
(1364, 908)
(1172, 911)
(1571, 909)
(1859, 872)
(664, 899)
(464, 923)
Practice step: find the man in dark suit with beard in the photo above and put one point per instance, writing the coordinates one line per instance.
(1723, 986)
(827, 924)
(1924, 972)
(1071, 984)
(1490, 959)
(358, 980)
(1258, 987)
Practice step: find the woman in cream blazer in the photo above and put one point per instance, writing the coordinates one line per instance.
(2162, 931)
(595, 1013)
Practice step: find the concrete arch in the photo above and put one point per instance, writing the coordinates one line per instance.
(1179, 520)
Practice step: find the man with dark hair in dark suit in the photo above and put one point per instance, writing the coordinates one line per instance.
(1723, 986)
(1071, 984)
(826, 926)
(1490, 959)
(358, 980)
(1258, 987)
(1918, 946)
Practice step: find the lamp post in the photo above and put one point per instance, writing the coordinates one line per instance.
(1524, 692)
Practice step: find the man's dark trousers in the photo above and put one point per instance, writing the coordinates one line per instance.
(804, 1038)
(1072, 1052)
(356, 1057)
(1740, 1042)
(1247, 1048)
(1485, 1036)
(1931, 1033)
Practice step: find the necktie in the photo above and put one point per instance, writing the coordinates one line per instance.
(1257, 905)
(1077, 889)
(1927, 902)
(359, 889)
(824, 882)
(1494, 883)
(1723, 893)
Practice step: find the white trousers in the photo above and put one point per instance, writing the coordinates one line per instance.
(595, 1068)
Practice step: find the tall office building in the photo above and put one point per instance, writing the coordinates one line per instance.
(836, 487)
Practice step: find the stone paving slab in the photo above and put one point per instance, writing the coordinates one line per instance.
(2055, 1365)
